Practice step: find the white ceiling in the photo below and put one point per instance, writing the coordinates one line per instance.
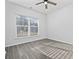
(41, 7)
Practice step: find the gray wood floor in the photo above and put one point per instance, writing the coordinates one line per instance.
(41, 49)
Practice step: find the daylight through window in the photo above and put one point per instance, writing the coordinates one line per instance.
(26, 26)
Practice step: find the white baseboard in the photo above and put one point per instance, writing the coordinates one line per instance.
(23, 42)
(61, 41)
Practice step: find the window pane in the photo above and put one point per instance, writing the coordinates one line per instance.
(21, 20)
(25, 21)
(33, 30)
(19, 31)
(22, 31)
(33, 22)
(25, 32)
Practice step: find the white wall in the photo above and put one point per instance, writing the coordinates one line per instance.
(56, 26)
(11, 11)
(60, 25)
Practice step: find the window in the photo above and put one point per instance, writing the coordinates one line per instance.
(26, 26)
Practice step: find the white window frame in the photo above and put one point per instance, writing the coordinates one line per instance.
(29, 30)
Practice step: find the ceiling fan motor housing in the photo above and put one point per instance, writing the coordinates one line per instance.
(45, 0)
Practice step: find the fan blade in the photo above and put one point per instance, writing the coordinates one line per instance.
(52, 3)
(39, 3)
(46, 7)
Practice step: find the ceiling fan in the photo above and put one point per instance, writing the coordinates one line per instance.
(46, 2)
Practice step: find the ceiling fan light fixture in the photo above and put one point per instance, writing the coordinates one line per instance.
(45, 2)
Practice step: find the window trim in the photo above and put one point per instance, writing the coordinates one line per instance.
(29, 32)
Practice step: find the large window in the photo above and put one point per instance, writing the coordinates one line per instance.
(26, 26)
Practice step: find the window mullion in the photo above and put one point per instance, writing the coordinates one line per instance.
(28, 27)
